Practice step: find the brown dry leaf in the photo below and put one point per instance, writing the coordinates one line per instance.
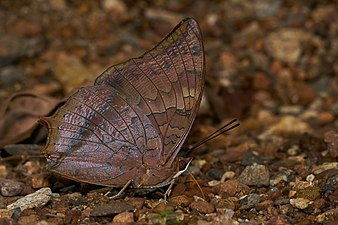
(19, 116)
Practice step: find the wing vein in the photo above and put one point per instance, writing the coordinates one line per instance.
(158, 91)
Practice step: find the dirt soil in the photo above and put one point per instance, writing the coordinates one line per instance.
(272, 64)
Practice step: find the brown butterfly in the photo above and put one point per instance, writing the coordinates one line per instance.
(130, 125)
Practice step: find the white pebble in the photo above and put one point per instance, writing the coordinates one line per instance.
(36, 199)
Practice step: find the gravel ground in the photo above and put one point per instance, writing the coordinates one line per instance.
(272, 64)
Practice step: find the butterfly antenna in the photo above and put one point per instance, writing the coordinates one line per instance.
(229, 126)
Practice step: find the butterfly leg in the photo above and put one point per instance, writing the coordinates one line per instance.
(168, 192)
(121, 191)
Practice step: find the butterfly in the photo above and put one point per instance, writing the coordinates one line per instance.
(128, 128)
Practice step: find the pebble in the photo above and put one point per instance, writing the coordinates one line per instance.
(228, 175)
(335, 109)
(12, 49)
(32, 167)
(288, 125)
(72, 216)
(279, 220)
(10, 75)
(331, 213)
(310, 193)
(331, 139)
(111, 209)
(10, 188)
(67, 68)
(301, 93)
(286, 175)
(249, 201)
(325, 166)
(333, 180)
(5, 213)
(325, 118)
(39, 180)
(287, 44)
(3, 171)
(311, 143)
(255, 175)
(124, 217)
(36, 199)
(231, 188)
(300, 203)
(27, 28)
(116, 6)
(181, 200)
(163, 206)
(215, 173)
(202, 207)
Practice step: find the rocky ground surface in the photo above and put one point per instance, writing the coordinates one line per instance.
(272, 64)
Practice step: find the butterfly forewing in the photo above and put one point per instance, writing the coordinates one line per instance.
(134, 119)
(167, 83)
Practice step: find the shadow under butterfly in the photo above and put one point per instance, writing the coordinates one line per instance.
(128, 128)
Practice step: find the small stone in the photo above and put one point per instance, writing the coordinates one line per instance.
(137, 202)
(249, 201)
(27, 28)
(311, 143)
(325, 118)
(3, 171)
(10, 75)
(285, 175)
(287, 44)
(30, 219)
(279, 220)
(301, 93)
(228, 175)
(335, 109)
(5, 213)
(72, 216)
(255, 175)
(333, 180)
(325, 166)
(116, 6)
(231, 188)
(310, 193)
(32, 167)
(288, 125)
(125, 217)
(331, 139)
(163, 206)
(40, 181)
(10, 188)
(202, 207)
(112, 208)
(215, 173)
(319, 203)
(330, 214)
(181, 200)
(264, 205)
(67, 69)
(310, 178)
(261, 81)
(36, 199)
(300, 203)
